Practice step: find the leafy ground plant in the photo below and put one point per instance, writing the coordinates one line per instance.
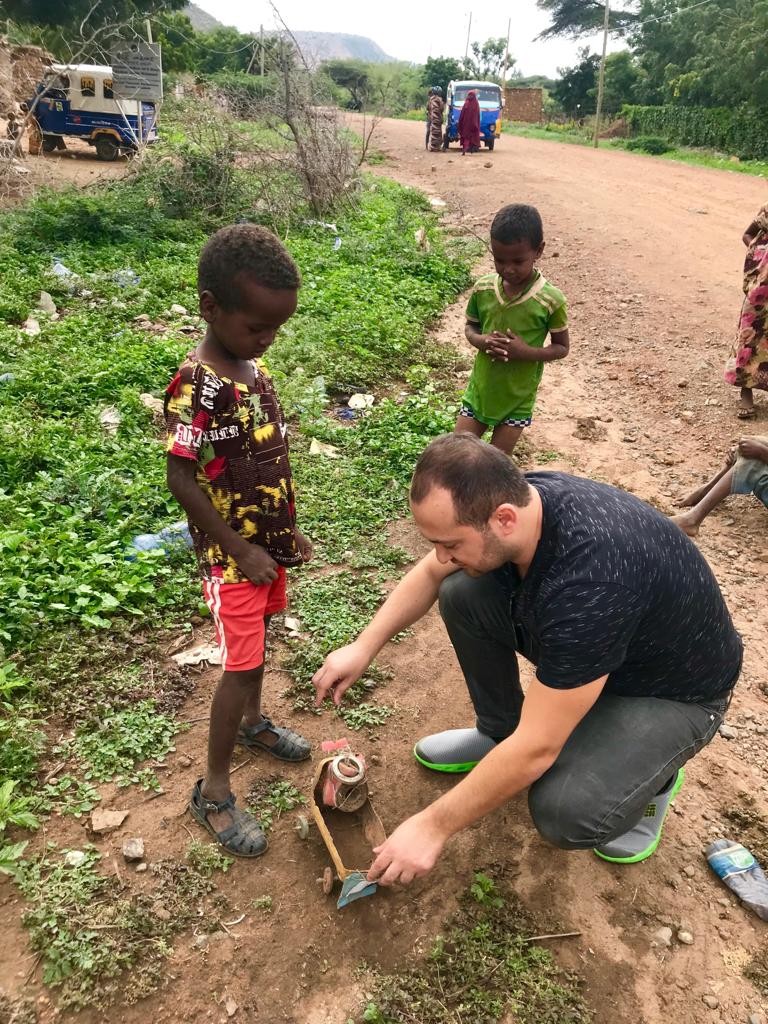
(272, 797)
(481, 969)
(88, 932)
(207, 858)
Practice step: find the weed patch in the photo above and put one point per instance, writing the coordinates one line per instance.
(88, 932)
(480, 969)
(272, 797)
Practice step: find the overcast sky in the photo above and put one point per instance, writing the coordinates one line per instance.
(413, 30)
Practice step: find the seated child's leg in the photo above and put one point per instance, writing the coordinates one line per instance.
(506, 437)
(696, 496)
(690, 521)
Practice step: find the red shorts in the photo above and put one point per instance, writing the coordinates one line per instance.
(238, 611)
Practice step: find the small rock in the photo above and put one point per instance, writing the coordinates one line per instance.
(31, 327)
(488, 164)
(142, 318)
(689, 870)
(711, 1001)
(727, 732)
(682, 383)
(662, 937)
(756, 1018)
(133, 849)
(46, 304)
(155, 405)
(185, 761)
(180, 310)
(201, 942)
(141, 868)
(231, 1007)
(685, 937)
(110, 419)
(74, 858)
(687, 416)
(106, 821)
(162, 914)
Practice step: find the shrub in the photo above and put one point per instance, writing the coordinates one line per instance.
(743, 131)
(650, 144)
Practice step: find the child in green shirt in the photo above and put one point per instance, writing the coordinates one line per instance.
(509, 316)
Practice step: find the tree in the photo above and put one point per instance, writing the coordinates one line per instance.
(487, 59)
(72, 13)
(583, 17)
(353, 76)
(576, 89)
(440, 71)
(622, 77)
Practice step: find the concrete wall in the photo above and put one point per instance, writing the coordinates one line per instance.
(524, 105)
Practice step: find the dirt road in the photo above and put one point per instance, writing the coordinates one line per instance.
(649, 254)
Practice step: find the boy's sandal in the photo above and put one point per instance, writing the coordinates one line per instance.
(288, 747)
(746, 414)
(243, 838)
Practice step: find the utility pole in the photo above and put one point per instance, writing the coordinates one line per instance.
(261, 48)
(469, 32)
(601, 80)
(506, 57)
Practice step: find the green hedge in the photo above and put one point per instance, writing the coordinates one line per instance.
(743, 133)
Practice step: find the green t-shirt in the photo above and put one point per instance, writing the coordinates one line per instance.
(498, 391)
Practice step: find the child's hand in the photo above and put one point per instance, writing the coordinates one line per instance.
(305, 545)
(496, 346)
(257, 564)
(751, 448)
(515, 347)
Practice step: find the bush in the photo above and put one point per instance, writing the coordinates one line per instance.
(652, 144)
(743, 132)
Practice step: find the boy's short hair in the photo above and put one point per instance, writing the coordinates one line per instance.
(518, 223)
(244, 250)
(477, 476)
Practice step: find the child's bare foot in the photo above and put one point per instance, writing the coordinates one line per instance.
(693, 498)
(687, 524)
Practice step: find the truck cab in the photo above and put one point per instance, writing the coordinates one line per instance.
(491, 101)
(77, 101)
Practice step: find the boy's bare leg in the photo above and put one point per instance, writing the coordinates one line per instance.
(696, 496)
(506, 437)
(233, 693)
(690, 522)
(746, 404)
(252, 712)
(467, 425)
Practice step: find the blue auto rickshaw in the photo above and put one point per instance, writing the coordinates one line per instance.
(491, 101)
(77, 100)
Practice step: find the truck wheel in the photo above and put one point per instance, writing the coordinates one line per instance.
(50, 143)
(106, 148)
(490, 144)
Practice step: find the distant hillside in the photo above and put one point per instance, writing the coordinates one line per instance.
(201, 20)
(316, 46)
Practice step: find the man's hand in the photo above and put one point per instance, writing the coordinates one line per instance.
(752, 448)
(339, 671)
(257, 564)
(410, 852)
(306, 548)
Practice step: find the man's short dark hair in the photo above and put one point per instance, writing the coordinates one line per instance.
(244, 250)
(478, 477)
(518, 223)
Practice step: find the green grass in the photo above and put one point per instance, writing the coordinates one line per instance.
(270, 798)
(480, 968)
(680, 154)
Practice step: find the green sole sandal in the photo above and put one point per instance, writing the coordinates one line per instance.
(640, 842)
(289, 746)
(243, 838)
(454, 751)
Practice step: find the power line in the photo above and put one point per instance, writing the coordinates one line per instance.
(669, 14)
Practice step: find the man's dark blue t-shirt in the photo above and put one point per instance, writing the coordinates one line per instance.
(617, 589)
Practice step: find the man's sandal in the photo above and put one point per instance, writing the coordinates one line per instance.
(243, 838)
(288, 747)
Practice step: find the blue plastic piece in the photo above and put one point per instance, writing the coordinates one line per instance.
(171, 536)
(355, 887)
(741, 873)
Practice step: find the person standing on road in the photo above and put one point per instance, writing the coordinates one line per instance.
(435, 108)
(469, 124)
(510, 314)
(636, 655)
(747, 367)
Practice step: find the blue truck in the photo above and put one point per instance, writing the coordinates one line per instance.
(491, 102)
(77, 101)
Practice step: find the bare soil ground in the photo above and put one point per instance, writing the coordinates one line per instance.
(649, 254)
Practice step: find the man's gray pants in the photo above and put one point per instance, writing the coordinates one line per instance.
(618, 757)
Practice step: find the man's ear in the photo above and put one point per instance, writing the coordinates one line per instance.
(208, 306)
(506, 518)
